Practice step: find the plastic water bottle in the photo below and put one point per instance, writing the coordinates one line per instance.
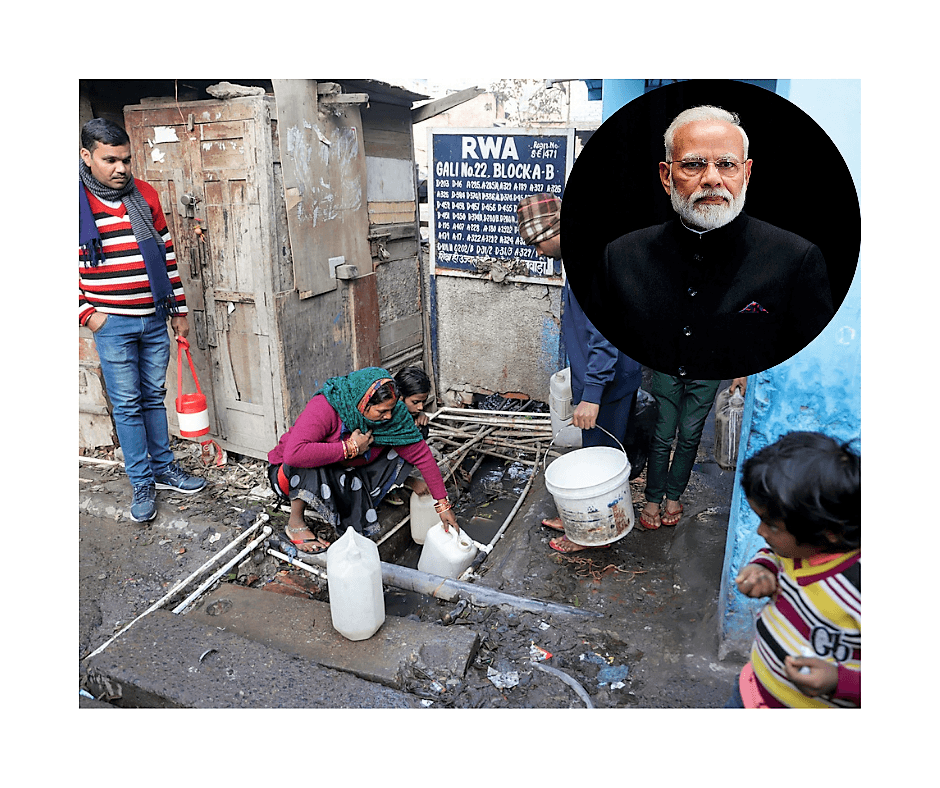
(354, 580)
(446, 553)
(729, 414)
(561, 409)
(423, 516)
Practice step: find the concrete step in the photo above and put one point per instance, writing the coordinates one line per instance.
(172, 661)
(304, 627)
(248, 648)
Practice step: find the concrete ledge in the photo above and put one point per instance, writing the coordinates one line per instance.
(173, 661)
(304, 627)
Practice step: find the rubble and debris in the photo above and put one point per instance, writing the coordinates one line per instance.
(228, 90)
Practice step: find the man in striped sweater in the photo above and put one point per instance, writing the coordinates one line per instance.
(128, 285)
(806, 489)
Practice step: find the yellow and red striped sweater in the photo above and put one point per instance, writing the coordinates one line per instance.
(119, 285)
(818, 604)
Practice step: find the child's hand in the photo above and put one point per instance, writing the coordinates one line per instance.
(756, 581)
(420, 486)
(422, 420)
(822, 679)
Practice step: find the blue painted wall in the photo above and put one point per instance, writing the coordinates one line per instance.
(820, 387)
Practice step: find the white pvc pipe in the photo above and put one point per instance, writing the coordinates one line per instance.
(183, 583)
(496, 537)
(265, 533)
(299, 564)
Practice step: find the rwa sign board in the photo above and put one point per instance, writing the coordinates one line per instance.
(477, 177)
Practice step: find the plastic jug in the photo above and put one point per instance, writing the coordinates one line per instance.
(354, 580)
(561, 409)
(446, 553)
(423, 516)
(729, 414)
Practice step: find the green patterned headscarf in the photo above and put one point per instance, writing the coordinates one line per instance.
(347, 394)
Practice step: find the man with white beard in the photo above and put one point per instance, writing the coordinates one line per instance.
(711, 295)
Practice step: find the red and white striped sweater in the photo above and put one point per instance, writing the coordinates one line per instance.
(119, 285)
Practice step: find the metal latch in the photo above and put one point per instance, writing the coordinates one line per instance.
(189, 203)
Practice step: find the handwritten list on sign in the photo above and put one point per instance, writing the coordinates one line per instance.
(478, 179)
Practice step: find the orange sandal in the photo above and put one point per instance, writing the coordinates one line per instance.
(649, 525)
(319, 545)
(674, 517)
(563, 544)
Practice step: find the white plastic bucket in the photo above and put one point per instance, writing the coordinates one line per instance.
(591, 488)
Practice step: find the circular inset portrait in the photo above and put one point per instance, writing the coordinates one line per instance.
(710, 229)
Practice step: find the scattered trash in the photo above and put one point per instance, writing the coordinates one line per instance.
(538, 654)
(502, 680)
(215, 537)
(426, 703)
(597, 659)
(612, 674)
(206, 653)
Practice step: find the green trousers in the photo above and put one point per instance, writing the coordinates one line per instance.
(683, 408)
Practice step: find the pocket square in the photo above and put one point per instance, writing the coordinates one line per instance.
(754, 307)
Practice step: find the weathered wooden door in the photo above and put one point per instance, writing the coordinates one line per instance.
(211, 162)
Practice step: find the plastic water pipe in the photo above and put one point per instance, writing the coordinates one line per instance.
(582, 693)
(299, 564)
(485, 549)
(261, 518)
(265, 533)
(450, 590)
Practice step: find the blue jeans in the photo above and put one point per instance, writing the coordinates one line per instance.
(134, 353)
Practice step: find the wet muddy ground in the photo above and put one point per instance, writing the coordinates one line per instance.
(650, 641)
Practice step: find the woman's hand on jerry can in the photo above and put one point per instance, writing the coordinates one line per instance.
(449, 521)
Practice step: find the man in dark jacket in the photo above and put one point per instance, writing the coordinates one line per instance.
(712, 294)
(604, 381)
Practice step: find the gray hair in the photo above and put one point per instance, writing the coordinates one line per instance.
(705, 112)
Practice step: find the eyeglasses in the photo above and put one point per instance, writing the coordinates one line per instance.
(693, 167)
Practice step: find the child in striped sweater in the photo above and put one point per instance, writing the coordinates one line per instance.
(807, 653)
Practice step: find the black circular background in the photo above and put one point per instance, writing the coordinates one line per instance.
(799, 182)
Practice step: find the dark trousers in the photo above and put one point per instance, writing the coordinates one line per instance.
(683, 408)
(613, 417)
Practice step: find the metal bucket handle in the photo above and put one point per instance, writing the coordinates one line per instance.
(596, 426)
